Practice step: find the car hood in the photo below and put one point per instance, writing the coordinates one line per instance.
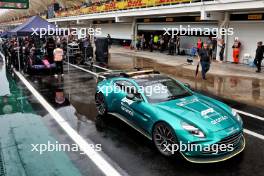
(197, 111)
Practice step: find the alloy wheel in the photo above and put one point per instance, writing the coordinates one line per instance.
(164, 139)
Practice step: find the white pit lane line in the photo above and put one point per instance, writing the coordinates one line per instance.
(97, 159)
(252, 133)
(249, 115)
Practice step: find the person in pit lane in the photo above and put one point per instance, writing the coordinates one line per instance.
(204, 57)
(58, 59)
(259, 56)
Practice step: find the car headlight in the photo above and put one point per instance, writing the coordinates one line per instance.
(193, 130)
(237, 116)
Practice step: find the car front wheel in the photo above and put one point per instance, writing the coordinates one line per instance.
(164, 138)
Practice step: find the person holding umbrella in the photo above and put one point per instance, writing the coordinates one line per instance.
(204, 60)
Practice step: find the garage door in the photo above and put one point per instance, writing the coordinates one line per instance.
(116, 30)
(160, 27)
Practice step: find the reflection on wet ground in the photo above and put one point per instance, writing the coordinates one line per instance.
(243, 90)
(72, 97)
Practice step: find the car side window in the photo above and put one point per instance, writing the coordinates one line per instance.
(123, 85)
(128, 87)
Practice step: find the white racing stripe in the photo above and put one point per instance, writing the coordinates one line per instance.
(249, 115)
(99, 161)
(252, 133)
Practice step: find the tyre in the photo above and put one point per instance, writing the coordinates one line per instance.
(164, 138)
(100, 103)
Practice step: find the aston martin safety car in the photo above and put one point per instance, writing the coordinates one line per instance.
(168, 112)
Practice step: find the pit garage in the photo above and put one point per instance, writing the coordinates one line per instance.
(249, 33)
(187, 40)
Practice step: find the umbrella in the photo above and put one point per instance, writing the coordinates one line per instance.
(197, 70)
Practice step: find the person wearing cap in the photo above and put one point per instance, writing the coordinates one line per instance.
(259, 56)
(58, 59)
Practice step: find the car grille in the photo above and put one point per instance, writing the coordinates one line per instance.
(233, 140)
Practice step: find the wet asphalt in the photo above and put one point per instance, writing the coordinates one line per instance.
(126, 148)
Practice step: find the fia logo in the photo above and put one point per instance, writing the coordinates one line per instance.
(125, 100)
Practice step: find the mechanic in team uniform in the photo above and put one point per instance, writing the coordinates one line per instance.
(204, 57)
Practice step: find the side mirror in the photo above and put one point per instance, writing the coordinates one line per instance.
(130, 96)
(138, 99)
(187, 85)
(133, 97)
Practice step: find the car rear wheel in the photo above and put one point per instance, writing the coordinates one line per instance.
(164, 138)
(100, 104)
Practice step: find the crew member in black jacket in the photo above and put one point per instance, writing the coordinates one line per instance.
(259, 56)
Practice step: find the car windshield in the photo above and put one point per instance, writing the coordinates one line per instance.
(162, 89)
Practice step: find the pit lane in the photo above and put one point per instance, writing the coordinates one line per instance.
(125, 147)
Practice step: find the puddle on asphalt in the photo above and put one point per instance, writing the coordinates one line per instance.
(248, 91)
(71, 95)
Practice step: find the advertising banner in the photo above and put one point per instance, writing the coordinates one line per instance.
(121, 5)
(14, 4)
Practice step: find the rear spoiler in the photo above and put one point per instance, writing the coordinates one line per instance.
(109, 75)
(137, 73)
